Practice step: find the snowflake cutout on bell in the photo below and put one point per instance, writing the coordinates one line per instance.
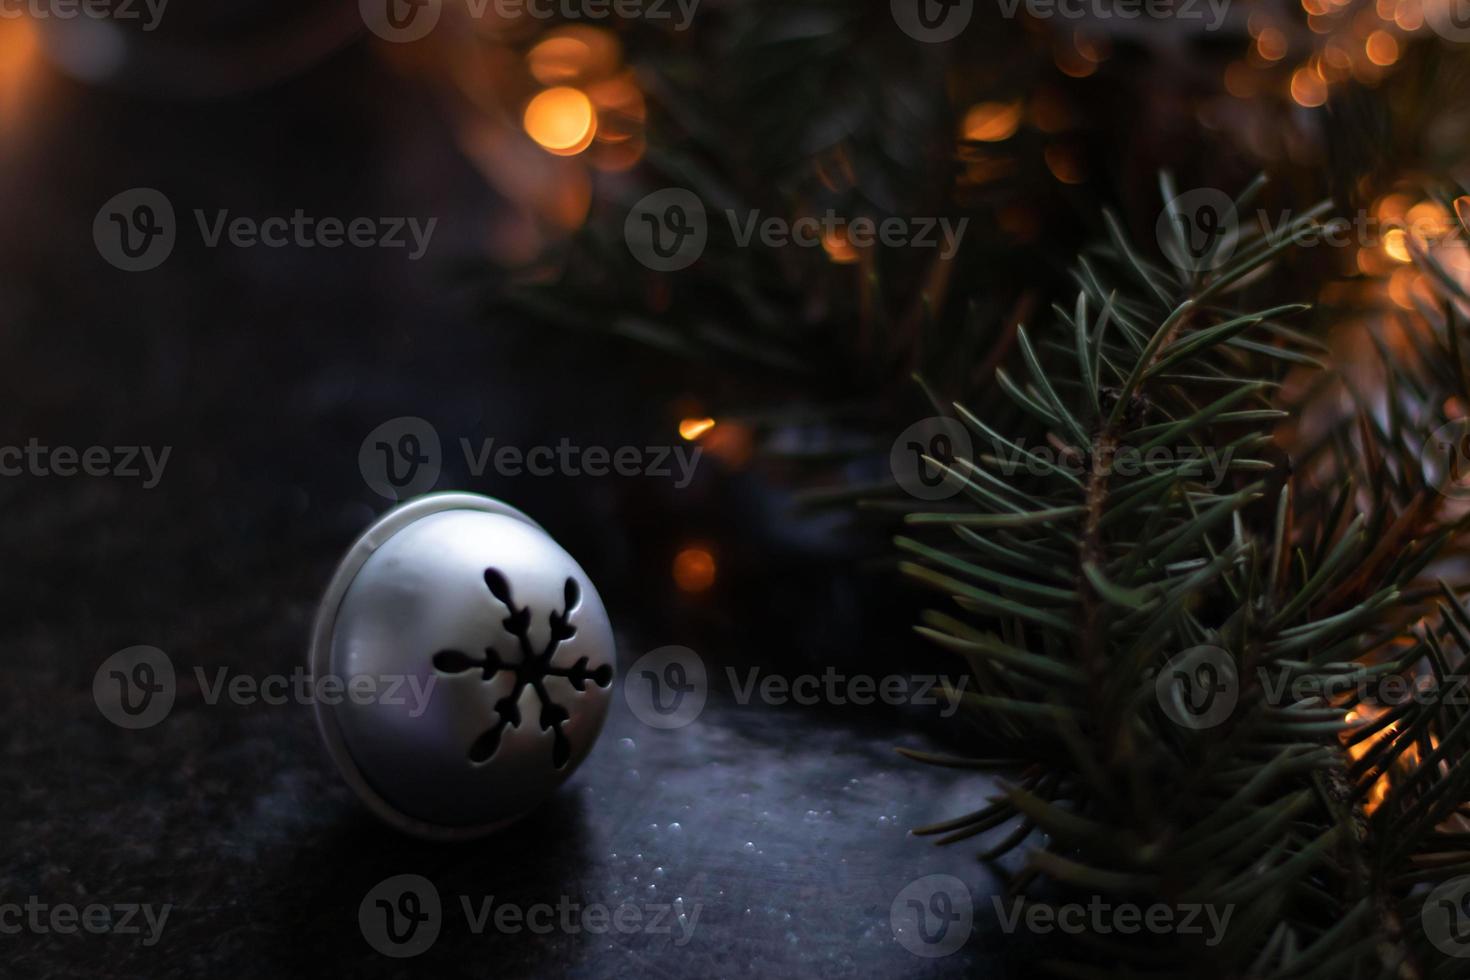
(488, 656)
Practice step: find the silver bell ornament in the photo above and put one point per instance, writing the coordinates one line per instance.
(475, 665)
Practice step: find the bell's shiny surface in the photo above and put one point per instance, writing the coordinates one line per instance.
(483, 663)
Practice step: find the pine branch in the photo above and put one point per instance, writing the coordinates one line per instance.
(1077, 588)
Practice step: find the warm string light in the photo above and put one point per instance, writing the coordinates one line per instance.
(19, 55)
(1404, 763)
(574, 110)
(730, 442)
(839, 250)
(590, 102)
(561, 120)
(691, 429)
(694, 569)
(1064, 164)
(1361, 716)
(1409, 226)
(992, 122)
(1344, 40)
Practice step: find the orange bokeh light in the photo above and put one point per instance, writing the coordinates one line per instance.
(1271, 44)
(574, 54)
(19, 55)
(1396, 244)
(1063, 164)
(694, 569)
(1308, 88)
(561, 120)
(838, 248)
(559, 60)
(691, 429)
(1462, 211)
(991, 122)
(1381, 48)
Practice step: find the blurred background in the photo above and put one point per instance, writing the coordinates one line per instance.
(530, 319)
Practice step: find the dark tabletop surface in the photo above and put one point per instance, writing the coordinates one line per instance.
(780, 834)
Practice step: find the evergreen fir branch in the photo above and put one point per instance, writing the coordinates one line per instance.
(1317, 834)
